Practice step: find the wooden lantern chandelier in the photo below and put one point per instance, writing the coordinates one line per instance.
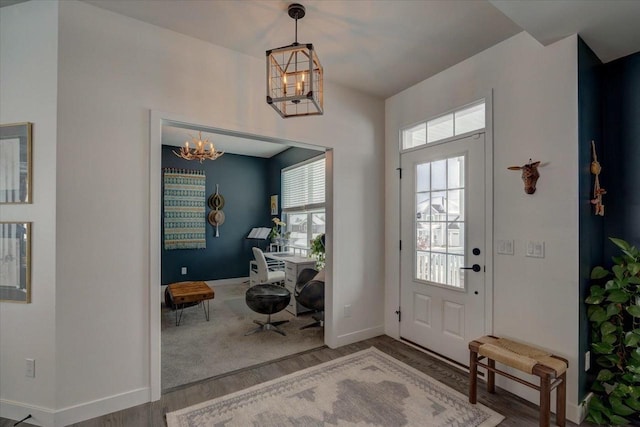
(294, 76)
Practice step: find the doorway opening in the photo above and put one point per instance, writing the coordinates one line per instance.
(216, 347)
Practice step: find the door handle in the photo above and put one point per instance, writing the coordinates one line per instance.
(474, 267)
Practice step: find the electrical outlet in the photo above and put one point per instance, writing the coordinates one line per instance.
(30, 368)
(347, 310)
(183, 270)
(587, 361)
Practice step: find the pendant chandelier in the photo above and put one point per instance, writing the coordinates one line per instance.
(294, 76)
(200, 151)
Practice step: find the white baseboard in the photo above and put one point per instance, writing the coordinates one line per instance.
(16, 411)
(99, 407)
(74, 414)
(580, 409)
(360, 335)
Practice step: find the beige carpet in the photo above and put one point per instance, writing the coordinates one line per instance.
(368, 388)
(198, 349)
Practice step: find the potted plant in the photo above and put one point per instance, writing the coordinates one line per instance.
(614, 314)
(318, 251)
(276, 230)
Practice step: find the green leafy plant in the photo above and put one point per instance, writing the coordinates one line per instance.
(318, 251)
(614, 314)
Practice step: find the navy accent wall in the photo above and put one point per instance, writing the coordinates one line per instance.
(591, 227)
(288, 157)
(609, 113)
(243, 183)
(622, 133)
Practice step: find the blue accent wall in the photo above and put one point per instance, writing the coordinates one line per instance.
(609, 113)
(591, 227)
(622, 133)
(243, 183)
(246, 183)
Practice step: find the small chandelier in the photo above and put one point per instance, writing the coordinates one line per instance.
(199, 152)
(294, 76)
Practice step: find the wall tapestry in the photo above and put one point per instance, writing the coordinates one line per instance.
(184, 209)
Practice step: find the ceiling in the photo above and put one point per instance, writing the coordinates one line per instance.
(382, 47)
(226, 141)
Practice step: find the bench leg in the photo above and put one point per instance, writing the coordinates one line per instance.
(561, 401)
(545, 401)
(491, 376)
(473, 376)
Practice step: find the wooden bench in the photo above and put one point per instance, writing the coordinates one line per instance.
(550, 368)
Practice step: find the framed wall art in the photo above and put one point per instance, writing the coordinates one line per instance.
(15, 163)
(274, 204)
(15, 261)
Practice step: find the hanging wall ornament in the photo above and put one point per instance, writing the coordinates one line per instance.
(598, 191)
(216, 216)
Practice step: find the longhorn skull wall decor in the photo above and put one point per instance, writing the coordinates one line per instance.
(530, 175)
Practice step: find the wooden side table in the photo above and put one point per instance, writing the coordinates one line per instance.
(184, 293)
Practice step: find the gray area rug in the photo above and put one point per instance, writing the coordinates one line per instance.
(368, 388)
(198, 349)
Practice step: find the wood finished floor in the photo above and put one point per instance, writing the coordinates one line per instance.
(518, 412)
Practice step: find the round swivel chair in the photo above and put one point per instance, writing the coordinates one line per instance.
(267, 299)
(309, 293)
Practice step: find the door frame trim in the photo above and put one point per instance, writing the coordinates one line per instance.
(488, 213)
(488, 182)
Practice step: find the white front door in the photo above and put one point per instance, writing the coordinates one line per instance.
(443, 237)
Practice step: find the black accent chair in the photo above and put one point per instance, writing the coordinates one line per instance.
(267, 299)
(309, 293)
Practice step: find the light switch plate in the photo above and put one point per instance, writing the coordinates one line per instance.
(534, 249)
(30, 368)
(505, 247)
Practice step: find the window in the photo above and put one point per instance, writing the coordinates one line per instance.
(303, 198)
(440, 221)
(461, 121)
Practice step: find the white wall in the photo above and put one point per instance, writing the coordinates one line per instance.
(534, 116)
(28, 93)
(113, 70)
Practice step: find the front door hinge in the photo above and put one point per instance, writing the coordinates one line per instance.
(399, 313)
(400, 245)
(400, 172)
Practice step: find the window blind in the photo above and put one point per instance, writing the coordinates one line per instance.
(303, 186)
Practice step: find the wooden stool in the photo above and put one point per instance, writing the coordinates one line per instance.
(184, 294)
(551, 370)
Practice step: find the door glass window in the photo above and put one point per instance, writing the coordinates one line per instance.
(440, 221)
